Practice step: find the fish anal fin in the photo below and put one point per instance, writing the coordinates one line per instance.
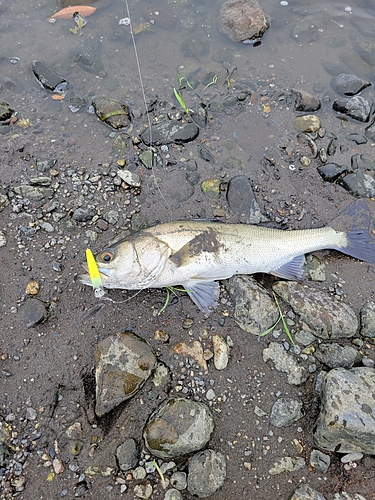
(203, 293)
(292, 270)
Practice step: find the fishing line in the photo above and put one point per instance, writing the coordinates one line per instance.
(146, 109)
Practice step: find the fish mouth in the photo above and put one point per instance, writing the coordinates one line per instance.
(85, 278)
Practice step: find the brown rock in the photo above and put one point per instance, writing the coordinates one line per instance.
(242, 20)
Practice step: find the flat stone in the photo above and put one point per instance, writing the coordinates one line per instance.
(127, 455)
(351, 457)
(83, 214)
(48, 78)
(178, 427)
(359, 184)
(33, 193)
(35, 312)
(254, 310)
(334, 355)
(330, 172)
(287, 464)
(286, 411)
(284, 362)
(207, 473)
(305, 102)
(123, 363)
(320, 460)
(170, 131)
(211, 188)
(346, 421)
(326, 317)
(241, 200)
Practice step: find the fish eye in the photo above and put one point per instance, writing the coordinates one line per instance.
(106, 256)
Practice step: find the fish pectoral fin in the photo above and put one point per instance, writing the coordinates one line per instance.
(203, 293)
(292, 270)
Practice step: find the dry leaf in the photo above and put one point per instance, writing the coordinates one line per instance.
(195, 352)
(67, 13)
(57, 97)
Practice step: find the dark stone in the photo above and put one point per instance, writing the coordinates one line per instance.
(127, 455)
(170, 131)
(48, 78)
(5, 111)
(370, 131)
(242, 20)
(359, 184)
(88, 56)
(334, 355)
(349, 84)
(306, 102)
(357, 138)
(194, 47)
(242, 201)
(83, 214)
(356, 107)
(35, 312)
(331, 171)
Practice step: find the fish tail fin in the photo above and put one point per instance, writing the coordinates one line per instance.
(358, 224)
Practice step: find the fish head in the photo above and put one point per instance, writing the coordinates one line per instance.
(133, 263)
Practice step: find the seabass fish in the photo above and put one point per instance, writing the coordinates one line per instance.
(195, 254)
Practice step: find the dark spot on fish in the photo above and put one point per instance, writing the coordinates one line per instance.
(206, 241)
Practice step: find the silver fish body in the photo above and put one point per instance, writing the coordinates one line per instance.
(195, 254)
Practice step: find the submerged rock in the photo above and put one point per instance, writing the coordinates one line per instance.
(170, 131)
(242, 20)
(111, 111)
(346, 421)
(349, 84)
(307, 123)
(356, 107)
(207, 472)
(48, 78)
(178, 427)
(123, 363)
(305, 102)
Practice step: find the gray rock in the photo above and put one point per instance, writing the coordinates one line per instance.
(346, 421)
(287, 464)
(334, 355)
(123, 363)
(367, 315)
(254, 311)
(33, 193)
(178, 480)
(306, 102)
(349, 84)
(242, 201)
(351, 457)
(88, 56)
(182, 189)
(35, 312)
(44, 164)
(284, 362)
(356, 107)
(173, 495)
(3, 201)
(306, 492)
(127, 455)
(320, 460)
(285, 411)
(178, 427)
(170, 131)
(41, 180)
(48, 78)
(326, 317)
(357, 138)
(305, 338)
(359, 184)
(315, 268)
(83, 214)
(242, 20)
(112, 217)
(207, 472)
(348, 496)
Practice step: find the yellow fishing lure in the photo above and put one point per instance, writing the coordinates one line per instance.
(94, 274)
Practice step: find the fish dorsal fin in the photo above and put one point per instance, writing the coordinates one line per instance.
(205, 241)
(292, 270)
(203, 293)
